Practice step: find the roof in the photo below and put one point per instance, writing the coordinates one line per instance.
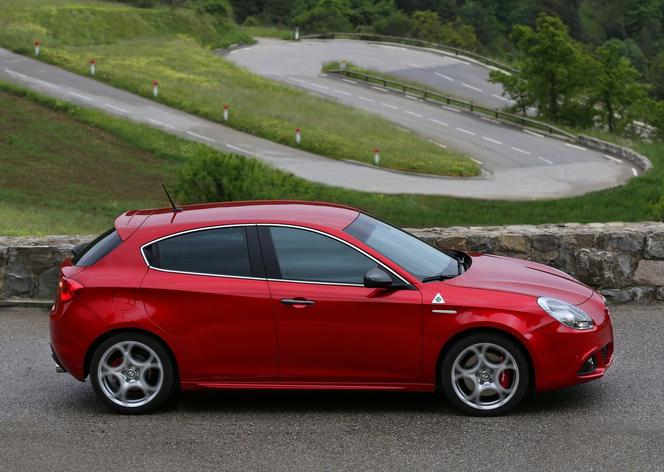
(259, 211)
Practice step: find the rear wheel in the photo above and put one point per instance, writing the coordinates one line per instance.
(132, 373)
(485, 374)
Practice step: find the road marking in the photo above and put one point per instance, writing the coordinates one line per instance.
(236, 148)
(200, 136)
(466, 131)
(403, 129)
(379, 88)
(444, 76)
(323, 74)
(490, 120)
(349, 81)
(323, 87)
(299, 81)
(18, 74)
(545, 160)
(410, 64)
(438, 122)
(342, 92)
(437, 144)
(370, 100)
(121, 110)
(161, 123)
(612, 158)
(389, 106)
(634, 172)
(492, 141)
(575, 146)
(472, 88)
(532, 133)
(522, 151)
(390, 47)
(413, 113)
(456, 110)
(412, 98)
(478, 162)
(84, 97)
(500, 98)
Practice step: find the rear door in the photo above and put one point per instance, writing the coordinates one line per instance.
(207, 289)
(331, 328)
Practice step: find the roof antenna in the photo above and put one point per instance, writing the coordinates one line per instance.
(176, 209)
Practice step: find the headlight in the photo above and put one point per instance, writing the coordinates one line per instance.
(566, 313)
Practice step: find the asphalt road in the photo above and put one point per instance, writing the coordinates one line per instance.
(50, 421)
(529, 177)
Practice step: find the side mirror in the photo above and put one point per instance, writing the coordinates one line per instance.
(377, 278)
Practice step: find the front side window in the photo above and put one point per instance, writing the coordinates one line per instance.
(312, 257)
(219, 251)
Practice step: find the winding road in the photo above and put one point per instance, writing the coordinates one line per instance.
(520, 165)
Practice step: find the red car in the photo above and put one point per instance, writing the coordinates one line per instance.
(298, 295)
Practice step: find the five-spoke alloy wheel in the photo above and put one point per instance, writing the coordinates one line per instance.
(132, 373)
(485, 374)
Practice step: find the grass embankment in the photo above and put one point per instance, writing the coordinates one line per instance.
(133, 46)
(87, 167)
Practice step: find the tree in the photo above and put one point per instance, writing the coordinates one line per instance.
(396, 24)
(615, 86)
(325, 16)
(516, 87)
(426, 25)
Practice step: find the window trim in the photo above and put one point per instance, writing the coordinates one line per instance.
(352, 246)
(205, 228)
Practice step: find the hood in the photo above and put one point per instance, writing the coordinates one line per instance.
(518, 276)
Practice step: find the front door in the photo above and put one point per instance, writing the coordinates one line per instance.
(330, 327)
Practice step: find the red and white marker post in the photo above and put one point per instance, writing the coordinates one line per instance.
(376, 156)
(93, 66)
(37, 47)
(155, 88)
(298, 136)
(226, 112)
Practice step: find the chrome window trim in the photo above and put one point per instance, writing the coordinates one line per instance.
(245, 225)
(352, 246)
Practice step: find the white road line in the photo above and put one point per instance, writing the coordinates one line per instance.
(545, 160)
(472, 88)
(390, 47)
(522, 151)
(349, 81)
(444, 76)
(200, 136)
(323, 87)
(299, 81)
(413, 113)
(615, 159)
(456, 110)
(379, 88)
(410, 64)
(323, 74)
(478, 162)
(113, 107)
(370, 100)
(532, 133)
(236, 148)
(437, 144)
(342, 92)
(18, 74)
(387, 105)
(634, 172)
(161, 123)
(490, 120)
(580, 148)
(494, 141)
(466, 131)
(84, 97)
(403, 129)
(412, 98)
(500, 98)
(438, 122)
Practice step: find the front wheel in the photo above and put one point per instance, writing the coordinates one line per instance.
(132, 373)
(485, 374)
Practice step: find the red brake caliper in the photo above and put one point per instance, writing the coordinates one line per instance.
(505, 379)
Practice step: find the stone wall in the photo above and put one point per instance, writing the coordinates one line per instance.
(624, 261)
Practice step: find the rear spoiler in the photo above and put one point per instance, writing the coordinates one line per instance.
(127, 223)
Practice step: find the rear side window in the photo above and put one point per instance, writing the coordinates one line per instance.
(220, 251)
(97, 249)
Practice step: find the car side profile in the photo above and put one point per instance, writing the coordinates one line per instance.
(302, 295)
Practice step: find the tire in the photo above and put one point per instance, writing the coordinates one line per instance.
(132, 373)
(485, 374)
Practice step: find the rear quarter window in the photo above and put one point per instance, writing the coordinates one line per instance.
(97, 249)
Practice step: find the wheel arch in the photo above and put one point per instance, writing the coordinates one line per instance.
(491, 330)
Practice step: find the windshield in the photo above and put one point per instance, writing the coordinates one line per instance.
(417, 257)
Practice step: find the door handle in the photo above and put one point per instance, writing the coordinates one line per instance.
(297, 302)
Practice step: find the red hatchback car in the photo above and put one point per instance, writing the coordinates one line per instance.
(300, 295)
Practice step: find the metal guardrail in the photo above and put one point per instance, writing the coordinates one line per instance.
(414, 42)
(442, 99)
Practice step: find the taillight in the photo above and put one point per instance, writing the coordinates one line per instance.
(68, 289)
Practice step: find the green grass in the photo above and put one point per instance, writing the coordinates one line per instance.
(87, 167)
(269, 32)
(133, 46)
